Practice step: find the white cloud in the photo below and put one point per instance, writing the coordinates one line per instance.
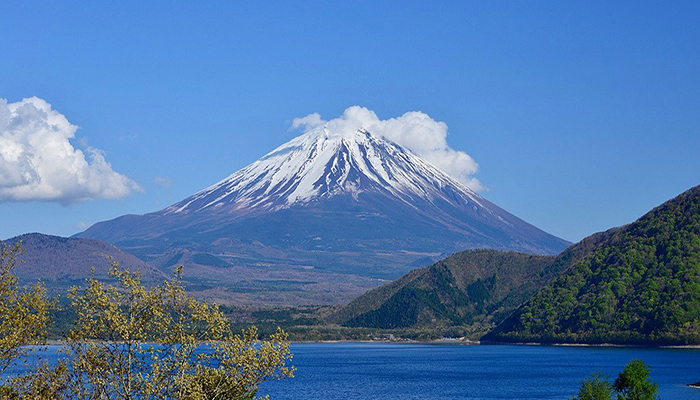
(310, 121)
(38, 160)
(414, 130)
(163, 181)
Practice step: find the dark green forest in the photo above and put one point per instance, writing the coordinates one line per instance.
(638, 284)
(470, 288)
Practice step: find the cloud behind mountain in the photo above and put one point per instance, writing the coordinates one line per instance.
(414, 130)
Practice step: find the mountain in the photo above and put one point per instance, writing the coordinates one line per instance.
(467, 288)
(61, 262)
(639, 283)
(332, 213)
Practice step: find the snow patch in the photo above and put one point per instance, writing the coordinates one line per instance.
(323, 163)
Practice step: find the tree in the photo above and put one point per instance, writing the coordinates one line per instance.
(597, 387)
(23, 313)
(633, 382)
(130, 342)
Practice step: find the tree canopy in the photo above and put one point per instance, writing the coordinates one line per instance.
(130, 342)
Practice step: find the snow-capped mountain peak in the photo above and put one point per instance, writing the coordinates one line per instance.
(322, 164)
(330, 211)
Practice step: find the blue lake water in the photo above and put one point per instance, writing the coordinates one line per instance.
(439, 371)
(362, 371)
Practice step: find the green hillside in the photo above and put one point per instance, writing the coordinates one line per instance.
(636, 284)
(471, 287)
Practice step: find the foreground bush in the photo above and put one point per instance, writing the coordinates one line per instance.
(130, 342)
(23, 313)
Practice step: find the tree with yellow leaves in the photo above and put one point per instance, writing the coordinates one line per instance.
(24, 314)
(130, 342)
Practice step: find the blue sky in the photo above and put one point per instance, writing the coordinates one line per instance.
(581, 115)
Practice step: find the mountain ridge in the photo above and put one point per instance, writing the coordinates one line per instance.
(60, 262)
(324, 204)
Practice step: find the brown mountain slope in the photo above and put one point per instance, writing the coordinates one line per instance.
(60, 262)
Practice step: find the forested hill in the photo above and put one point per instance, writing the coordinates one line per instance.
(636, 284)
(475, 286)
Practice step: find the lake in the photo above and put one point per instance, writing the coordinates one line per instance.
(448, 371)
(364, 371)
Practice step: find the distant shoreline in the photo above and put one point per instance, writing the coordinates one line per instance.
(465, 342)
(656, 346)
(436, 341)
(476, 342)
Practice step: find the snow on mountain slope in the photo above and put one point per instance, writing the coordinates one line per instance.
(321, 219)
(322, 164)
